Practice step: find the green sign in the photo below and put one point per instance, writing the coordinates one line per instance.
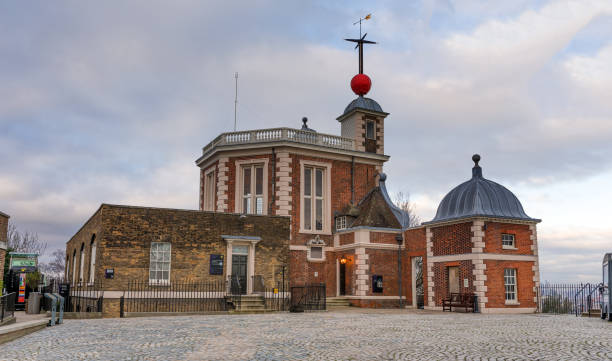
(23, 262)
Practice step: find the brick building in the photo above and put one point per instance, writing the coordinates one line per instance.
(481, 241)
(119, 244)
(325, 197)
(3, 245)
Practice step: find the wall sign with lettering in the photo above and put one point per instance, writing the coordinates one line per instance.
(377, 283)
(216, 264)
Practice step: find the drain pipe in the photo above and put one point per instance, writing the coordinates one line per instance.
(353, 180)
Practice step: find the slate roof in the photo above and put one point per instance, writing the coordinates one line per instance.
(363, 103)
(377, 210)
(480, 197)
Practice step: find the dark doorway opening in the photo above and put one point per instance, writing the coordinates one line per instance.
(239, 272)
(342, 277)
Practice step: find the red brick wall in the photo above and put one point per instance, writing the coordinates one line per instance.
(347, 238)
(493, 238)
(340, 191)
(441, 279)
(452, 239)
(232, 180)
(383, 237)
(495, 283)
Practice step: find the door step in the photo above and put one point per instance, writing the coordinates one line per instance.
(337, 302)
(249, 304)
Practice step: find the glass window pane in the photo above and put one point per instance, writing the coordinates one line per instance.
(319, 214)
(319, 182)
(152, 275)
(166, 246)
(370, 130)
(307, 214)
(247, 181)
(259, 205)
(165, 275)
(246, 205)
(307, 181)
(259, 180)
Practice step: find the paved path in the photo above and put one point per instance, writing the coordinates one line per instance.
(321, 336)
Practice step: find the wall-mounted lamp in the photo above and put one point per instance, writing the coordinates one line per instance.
(343, 260)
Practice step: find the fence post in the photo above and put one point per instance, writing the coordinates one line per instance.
(121, 314)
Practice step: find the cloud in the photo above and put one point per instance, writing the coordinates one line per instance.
(113, 102)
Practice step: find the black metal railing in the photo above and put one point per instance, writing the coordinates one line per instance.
(278, 298)
(568, 298)
(7, 306)
(85, 298)
(174, 297)
(308, 297)
(236, 289)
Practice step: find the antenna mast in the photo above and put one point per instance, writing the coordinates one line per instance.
(236, 101)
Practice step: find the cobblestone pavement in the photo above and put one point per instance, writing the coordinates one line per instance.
(356, 335)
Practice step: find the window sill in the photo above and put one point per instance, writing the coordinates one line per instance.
(510, 248)
(324, 233)
(315, 259)
(513, 303)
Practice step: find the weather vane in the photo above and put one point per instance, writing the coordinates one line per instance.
(361, 83)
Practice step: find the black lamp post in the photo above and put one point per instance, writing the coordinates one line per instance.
(399, 238)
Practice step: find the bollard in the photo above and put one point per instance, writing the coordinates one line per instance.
(61, 308)
(53, 302)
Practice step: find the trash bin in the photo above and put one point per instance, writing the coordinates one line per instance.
(34, 303)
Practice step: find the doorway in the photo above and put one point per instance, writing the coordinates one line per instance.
(239, 273)
(453, 279)
(342, 277)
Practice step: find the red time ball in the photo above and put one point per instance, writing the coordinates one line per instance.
(361, 84)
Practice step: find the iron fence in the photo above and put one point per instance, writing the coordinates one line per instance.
(84, 298)
(569, 298)
(7, 306)
(308, 297)
(278, 298)
(175, 296)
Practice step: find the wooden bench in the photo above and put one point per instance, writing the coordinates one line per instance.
(465, 300)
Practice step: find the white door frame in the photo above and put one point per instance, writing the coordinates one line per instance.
(242, 241)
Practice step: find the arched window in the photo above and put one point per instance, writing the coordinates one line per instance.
(92, 259)
(74, 266)
(67, 273)
(82, 264)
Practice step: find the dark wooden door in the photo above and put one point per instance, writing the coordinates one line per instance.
(239, 271)
(342, 279)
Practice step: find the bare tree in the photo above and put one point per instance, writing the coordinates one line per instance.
(24, 242)
(402, 200)
(55, 267)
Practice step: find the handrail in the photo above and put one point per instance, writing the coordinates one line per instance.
(280, 134)
(580, 291)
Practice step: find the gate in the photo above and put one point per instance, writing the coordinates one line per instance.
(308, 298)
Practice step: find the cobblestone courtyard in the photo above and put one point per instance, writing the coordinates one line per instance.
(352, 335)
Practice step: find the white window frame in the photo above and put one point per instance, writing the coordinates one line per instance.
(157, 281)
(309, 253)
(510, 286)
(508, 246)
(210, 188)
(92, 260)
(340, 223)
(327, 219)
(240, 164)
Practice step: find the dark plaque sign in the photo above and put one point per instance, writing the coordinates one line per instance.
(64, 290)
(216, 264)
(109, 273)
(377, 284)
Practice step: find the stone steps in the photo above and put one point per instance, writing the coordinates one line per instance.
(250, 304)
(337, 302)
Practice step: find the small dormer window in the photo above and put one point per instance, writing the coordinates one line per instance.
(370, 130)
(508, 241)
(340, 223)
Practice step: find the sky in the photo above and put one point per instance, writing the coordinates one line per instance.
(112, 102)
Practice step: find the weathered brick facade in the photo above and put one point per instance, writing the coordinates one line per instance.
(123, 237)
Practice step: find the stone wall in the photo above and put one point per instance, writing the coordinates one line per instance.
(124, 235)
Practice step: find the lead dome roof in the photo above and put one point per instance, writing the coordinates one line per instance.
(480, 197)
